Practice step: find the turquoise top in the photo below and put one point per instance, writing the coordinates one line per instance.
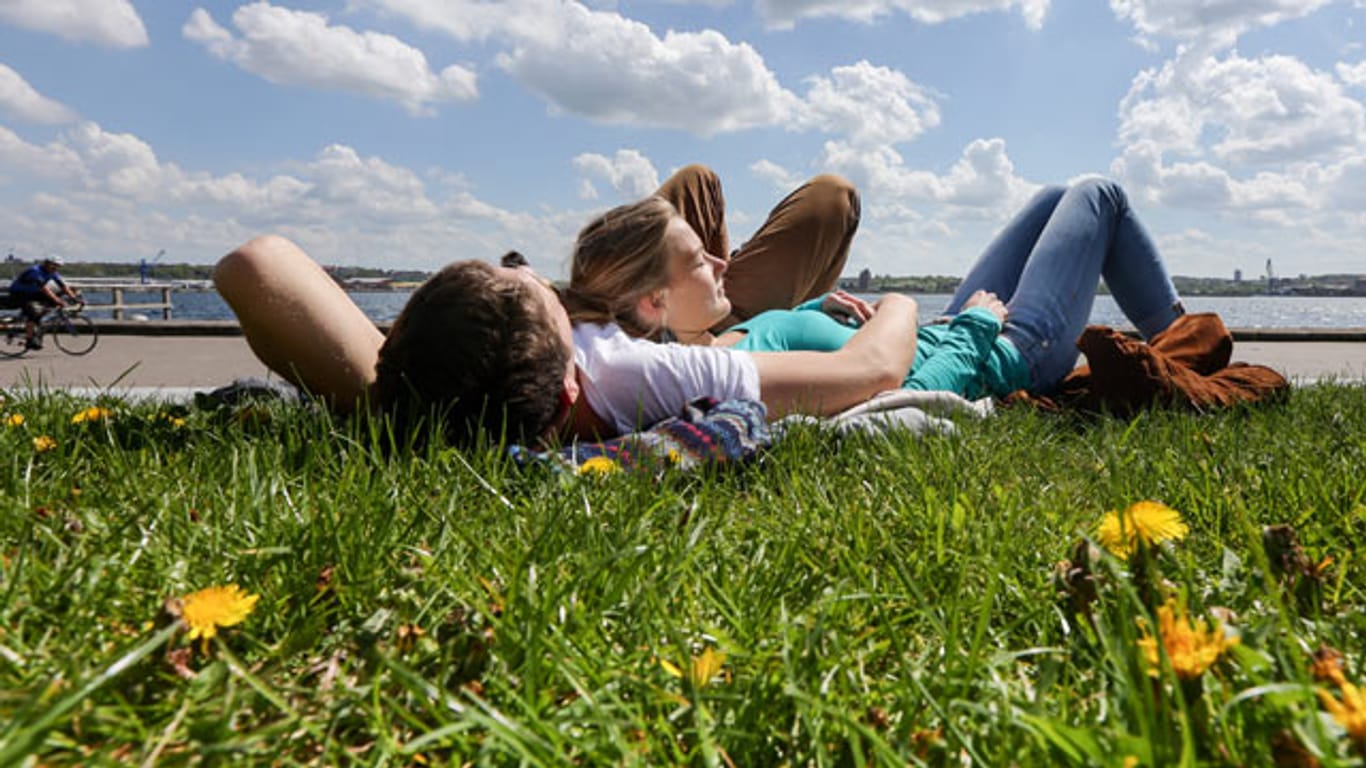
(967, 355)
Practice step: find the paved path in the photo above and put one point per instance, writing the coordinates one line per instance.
(1305, 361)
(179, 364)
(137, 364)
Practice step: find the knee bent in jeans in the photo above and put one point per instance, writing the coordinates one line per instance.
(1102, 187)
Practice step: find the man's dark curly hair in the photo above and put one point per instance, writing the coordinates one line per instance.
(472, 352)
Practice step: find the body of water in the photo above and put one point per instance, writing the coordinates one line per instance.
(1236, 311)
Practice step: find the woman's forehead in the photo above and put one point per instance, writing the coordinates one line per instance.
(683, 237)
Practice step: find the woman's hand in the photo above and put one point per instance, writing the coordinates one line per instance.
(847, 308)
(988, 300)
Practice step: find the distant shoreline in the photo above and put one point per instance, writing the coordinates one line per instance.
(1305, 285)
(1291, 294)
(381, 280)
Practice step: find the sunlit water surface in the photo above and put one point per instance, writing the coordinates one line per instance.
(1237, 312)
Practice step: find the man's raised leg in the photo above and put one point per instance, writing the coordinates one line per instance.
(800, 250)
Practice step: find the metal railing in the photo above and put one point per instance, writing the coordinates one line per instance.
(118, 290)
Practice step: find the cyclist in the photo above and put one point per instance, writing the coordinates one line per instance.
(34, 291)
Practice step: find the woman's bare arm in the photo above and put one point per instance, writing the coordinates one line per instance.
(299, 321)
(824, 383)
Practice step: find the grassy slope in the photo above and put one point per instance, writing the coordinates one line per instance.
(888, 600)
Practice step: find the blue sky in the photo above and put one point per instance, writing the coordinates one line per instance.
(409, 133)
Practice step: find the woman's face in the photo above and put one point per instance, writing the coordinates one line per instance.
(695, 298)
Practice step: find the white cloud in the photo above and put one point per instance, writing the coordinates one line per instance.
(1204, 186)
(604, 67)
(1242, 111)
(919, 221)
(337, 182)
(1294, 201)
(475, 20)
(1216, 23)
(113, 23)
(381, 191)
(1264, 145)
(982, 178)
(97, 194)
(1345, 184)
(55, 161)
(302, 48)
(781, 178)
(614, 70)
(869, 105)
(123, 166)
(1352, 74)
(783, 14)
(107, 195)
(20, 100)
(1269, 152)
(629, 172)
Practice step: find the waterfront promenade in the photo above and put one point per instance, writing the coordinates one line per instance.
(175, 359)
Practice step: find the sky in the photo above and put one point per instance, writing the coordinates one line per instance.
(410, 133)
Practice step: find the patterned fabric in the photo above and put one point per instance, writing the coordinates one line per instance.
(706, 433)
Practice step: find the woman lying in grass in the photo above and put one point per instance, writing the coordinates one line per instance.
(492, 350)
(641, 272)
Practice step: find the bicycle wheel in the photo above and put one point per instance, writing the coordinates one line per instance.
(12, 340)
(74, 334)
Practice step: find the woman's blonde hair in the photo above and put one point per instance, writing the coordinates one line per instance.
(618, 258)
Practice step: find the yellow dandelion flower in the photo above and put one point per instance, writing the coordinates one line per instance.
(1192, 646)
(1349, 711)
(1148, 522)
(701, 669)
(213, 607)
(706, 666)
(92, 414)
(43, 443)
(598, 465)
(14, 420)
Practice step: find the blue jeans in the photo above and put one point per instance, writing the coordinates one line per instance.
(1047, 262)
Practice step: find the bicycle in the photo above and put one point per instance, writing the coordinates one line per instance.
(72, 332)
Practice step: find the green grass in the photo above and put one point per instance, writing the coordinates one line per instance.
(884, 601)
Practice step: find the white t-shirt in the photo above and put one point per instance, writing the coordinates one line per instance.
(633, 383)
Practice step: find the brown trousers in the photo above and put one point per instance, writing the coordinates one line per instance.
(796, 255)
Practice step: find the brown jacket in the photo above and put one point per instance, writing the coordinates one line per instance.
(1185, 366)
